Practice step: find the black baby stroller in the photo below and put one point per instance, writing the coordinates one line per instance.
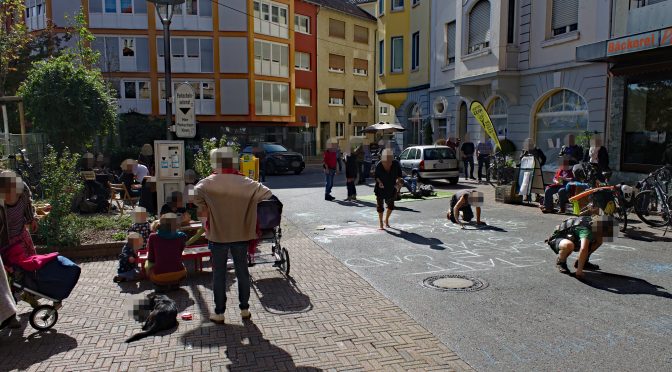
(53, 282)
(269, 215)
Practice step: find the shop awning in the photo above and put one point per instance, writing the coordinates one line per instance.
(362, 99)
(615, 49)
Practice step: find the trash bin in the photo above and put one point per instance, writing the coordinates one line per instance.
(249, 166)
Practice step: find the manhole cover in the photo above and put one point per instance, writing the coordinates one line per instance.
(454, 283)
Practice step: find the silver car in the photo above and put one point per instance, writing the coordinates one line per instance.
(430, 162)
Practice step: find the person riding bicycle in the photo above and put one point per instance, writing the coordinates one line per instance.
(580, 234)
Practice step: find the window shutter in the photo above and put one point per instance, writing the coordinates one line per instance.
(450, 36)
(336, 62)
(362, 98)
(336, 93)
(361, 34)
(565, 13)
(479, 23)
(336, 28)
(361, 64)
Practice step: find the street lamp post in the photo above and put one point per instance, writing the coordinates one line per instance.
(169, 6)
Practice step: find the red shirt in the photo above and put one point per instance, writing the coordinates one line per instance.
(330, 159)
(165, 253)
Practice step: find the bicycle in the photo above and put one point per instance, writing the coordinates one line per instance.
(27, 172)
(497, 171)
(653, 205)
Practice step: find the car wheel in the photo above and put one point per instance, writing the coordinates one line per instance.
(270, 168)
(453, 180)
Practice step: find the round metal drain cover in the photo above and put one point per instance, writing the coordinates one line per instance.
(454, 283)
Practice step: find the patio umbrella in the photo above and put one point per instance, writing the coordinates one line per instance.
(383, 128)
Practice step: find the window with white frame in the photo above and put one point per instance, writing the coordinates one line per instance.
(189, 54)
(271, 59)
(450, 43)
(357, 129)
(479, 27)
(336, 97)
(270, 18)
(336, 63)
(397, 4)
(108, 47)
(302, 97)
(202, 8)
(133, 95)
(384, 110)
(564, 16)
(498, 115)
(302, 24)
(340, 129)
(35, 8)
(271, 98)
(204, 92)
(415, 51)
(360, 67)
(302, 61)
(397, 57)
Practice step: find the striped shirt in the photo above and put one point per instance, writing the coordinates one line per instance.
(16, 219)
(484, 148)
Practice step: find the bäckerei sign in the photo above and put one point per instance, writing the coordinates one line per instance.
(636, 43)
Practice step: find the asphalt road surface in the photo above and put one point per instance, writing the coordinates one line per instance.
(529, 317)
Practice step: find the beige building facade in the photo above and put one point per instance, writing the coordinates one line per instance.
(345, 74)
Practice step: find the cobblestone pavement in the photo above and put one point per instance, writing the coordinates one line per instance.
(324, 318)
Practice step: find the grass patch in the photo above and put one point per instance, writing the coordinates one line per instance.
(104, 222)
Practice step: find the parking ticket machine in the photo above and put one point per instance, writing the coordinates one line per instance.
(169, 165)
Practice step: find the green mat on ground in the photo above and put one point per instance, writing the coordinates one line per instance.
(408, 198)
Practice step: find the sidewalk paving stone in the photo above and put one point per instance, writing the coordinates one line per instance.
(325, 317)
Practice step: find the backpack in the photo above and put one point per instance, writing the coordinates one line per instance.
(565, 230)
(426, 190)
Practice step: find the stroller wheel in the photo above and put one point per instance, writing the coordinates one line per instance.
(284, 259)
(43, 317)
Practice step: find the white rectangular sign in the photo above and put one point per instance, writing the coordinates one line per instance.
(185, 111)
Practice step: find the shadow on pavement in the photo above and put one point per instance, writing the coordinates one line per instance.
(414, 238)
(649, 236)
(361, 204)
(623, 284)
(245, 345)
(281, 296)
(21, 353)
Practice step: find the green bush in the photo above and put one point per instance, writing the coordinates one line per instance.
(61, 182)
(119, 154)
(137, 129)
(202, 158)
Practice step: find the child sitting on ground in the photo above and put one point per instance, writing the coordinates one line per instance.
(164, 259)
(128, 259)
(140, 225)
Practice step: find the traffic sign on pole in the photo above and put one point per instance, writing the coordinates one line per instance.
(185, 111)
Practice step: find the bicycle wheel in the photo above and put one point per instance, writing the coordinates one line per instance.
(621, 214)
(650, 209)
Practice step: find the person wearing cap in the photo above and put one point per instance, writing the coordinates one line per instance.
(462, 202)
(227, 203)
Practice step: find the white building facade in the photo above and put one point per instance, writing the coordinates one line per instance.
(517, 57)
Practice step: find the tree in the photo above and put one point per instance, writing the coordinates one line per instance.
(68, 102)
(14, 38)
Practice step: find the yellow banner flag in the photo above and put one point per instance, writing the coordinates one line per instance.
(483, 118)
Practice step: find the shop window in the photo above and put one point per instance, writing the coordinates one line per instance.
(479, 27)
(498, 116)
(563, 112)
(647, 139)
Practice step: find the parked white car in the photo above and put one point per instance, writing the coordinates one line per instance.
(430, 162)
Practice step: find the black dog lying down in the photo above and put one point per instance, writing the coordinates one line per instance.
(163, 315)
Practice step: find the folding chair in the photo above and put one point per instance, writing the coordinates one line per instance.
(120, 195)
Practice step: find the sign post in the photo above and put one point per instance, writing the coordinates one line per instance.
(185, 111)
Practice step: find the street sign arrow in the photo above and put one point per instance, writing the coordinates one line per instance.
(185, 115)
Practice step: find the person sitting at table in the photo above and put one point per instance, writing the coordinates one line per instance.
(164, 253)
(562, 176)
(128, 177)
(175, 204)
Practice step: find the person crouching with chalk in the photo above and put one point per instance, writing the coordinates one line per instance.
(462, 201)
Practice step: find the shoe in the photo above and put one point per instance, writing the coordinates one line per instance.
(563, 210)
(118, 279)
(245, 314)
(562, 267)
(587, 266)
(329, 198)
(353, 198)
(217, 318)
